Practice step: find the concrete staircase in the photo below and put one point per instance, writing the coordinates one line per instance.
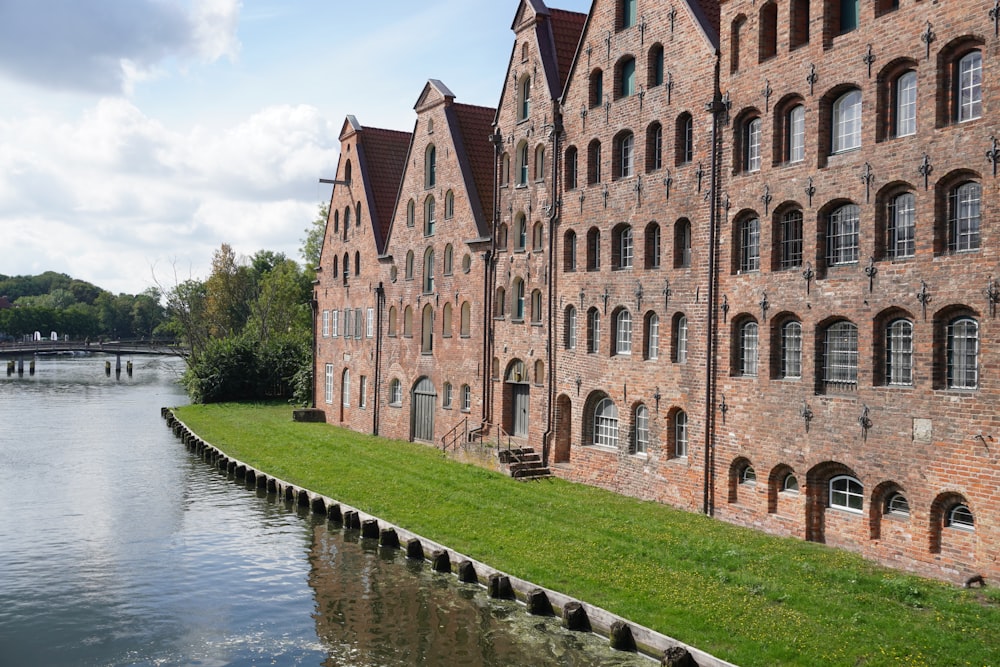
(524, 463)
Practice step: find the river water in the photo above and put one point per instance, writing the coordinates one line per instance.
(118, 547)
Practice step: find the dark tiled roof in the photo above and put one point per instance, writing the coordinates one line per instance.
(567, 27)
(707, 12)
(384, 160)
(476, 126)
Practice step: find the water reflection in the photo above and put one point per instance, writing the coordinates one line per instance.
(121, 548)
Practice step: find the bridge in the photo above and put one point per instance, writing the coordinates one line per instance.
(117, 348)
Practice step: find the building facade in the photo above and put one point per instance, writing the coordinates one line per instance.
(732, 256)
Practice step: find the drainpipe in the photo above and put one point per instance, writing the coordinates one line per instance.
(377, 380)
(550, 361)
(489, 338)
(718, 108)
(314, 306)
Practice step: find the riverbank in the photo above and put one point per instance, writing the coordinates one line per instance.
(737, 594)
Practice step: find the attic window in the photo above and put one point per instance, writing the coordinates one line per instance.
(524, 53)
(430, 126)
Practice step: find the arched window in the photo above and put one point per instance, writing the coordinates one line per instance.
(357, 214)
(537, 236)
(596, 91)
(392, 321)
(747, 475)
(651, 337)
(500, 303)
(735, 37)
(680, 339)
(446, 320)
(346, 388)
(846, 493)
(466, 398)
(840, 357)
(520, 232)
(654, 66)
(428, 270)
(652, 239)
(791, 350)
(449, 259)
(625, 148)
(795, 123)
(905, 106)
(347, 266)
(517, 300)
(626, 77)
(593, 249)
(767, 38)
(347, 171)
(449, 205)
(502, 236)
(749, 245)
(680, 434)
(842, 232)
(446, 391)
(640, 430)
(623, 333)
(746, 352)
(536, 306)
(963, 353)
(970, 86)
(540, 162)
(569, 328)
(539, 372)
(628, 13)
(524, 98)
(654, 147)
(846, 128)
(684, 139)
(395, 393)
(522, 163)
(606, 423)
(798, 33)
(430, 216)
(897, 504)
(569, 251)
(505, 169)
(466, 324)
(408, 273)
(430, 166)
(427, 330)
(622, 248)
(682, 244)
(594, 162)
(964, 216)
(357, 262)
(789, 241)
(347, 220)
(790, 484)
(751, 144)
(849, 13)
(899, 352)
(960, 516)
(408, 321)
(410, 213)
(901, 227)
(335, 264)
(570, 167)
(593, 330)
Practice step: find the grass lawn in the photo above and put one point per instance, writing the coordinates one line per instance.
(739, 594)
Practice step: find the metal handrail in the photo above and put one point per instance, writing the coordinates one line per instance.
(451, 437)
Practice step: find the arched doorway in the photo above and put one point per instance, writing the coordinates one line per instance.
(564, 429)
(422, 410)
(517, 399)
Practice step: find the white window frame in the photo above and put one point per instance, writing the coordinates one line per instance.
(653, 338)
(791, 350)
(395, 393)
(328, 385)
(326, 324)
(749, 346)
(363, 392)
(963, 353)
(843, 235)
(906, 104)
(847, 493)
(605, 424)
(752, 143)
(641, 431)
(846, 123)
(334, 323)
(623, 333)
(797, 133)
(680, 434)
(899, 353)
(970, 86)
(570, 328)
(370, 323)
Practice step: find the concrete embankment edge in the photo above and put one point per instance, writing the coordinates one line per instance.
(620, 632)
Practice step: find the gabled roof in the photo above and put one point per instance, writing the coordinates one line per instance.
(472, 128)
(557, 33)
(382, 154)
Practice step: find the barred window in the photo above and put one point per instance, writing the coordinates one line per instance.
(964, 215)
(840, 358)
(963, 353)
(791, 350)
(842, 236)
(899, 352)
(902, 226)
(790, 241)
(747, 359)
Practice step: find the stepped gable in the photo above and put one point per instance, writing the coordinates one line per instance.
(707, 12)
(474, 127)
(383, 158)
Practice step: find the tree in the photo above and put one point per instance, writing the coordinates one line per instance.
(312, 244)
(228, 293)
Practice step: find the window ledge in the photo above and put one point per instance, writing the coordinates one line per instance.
(465, 336)
(603, 448)
(517, 320)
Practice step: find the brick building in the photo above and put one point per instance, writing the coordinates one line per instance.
(737, 262)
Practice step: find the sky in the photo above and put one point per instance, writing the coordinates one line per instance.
(137, 136)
